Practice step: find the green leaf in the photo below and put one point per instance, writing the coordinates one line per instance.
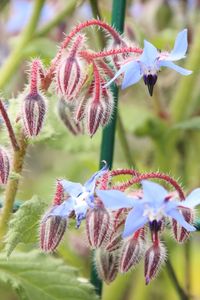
(38, 276)
(23, 227)
(191, 124)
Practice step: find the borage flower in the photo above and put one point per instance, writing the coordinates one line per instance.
(81, 197)
(154, 206)
(150, 61)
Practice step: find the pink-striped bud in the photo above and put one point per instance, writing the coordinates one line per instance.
(70, 72)
(4, 166)
(33, 112)
(52, 229)
(179, 232)
(106, 265)
(65, 111)
(98, 224)
(154, 258)
(131, 253)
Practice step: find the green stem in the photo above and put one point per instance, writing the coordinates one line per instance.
(12, 62)
(108, 138)
(68, 10)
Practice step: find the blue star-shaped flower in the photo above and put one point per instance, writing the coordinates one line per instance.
(150, 61)
(153, 206)
(81, 197)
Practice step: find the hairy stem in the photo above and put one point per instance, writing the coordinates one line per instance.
(9, 127)
(104, 54)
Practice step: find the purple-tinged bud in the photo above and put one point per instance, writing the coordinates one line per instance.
(106, 265)
(70, 72)
(131, 253)
(150, 81)
(52, 229)
(98, 224)
(65, 111)
(154, 258)
(4, 166)
(179, 232)
(95, 113)
(33, 112)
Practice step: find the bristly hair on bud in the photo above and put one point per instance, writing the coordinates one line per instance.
(70, 72)
(180, 233)
(106, 265)
(154, 258)
(52, 229)
(98, 225)
(4, 166)
(34, 104)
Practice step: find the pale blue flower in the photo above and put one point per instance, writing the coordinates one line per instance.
(81, 197)
(150, 61)
(154, 206)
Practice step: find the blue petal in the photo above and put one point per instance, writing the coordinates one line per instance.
(171, 65)
(175, 214)
(132, 75)
(149, 54)
(154, 193)
(74, 189)
(80, 212)
(114, 200)
(63, 209)
(90, 184)
(180, 46)
(134, 221)
(126, 67)
(192, 200)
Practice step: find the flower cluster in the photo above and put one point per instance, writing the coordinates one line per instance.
(117, 217)
(82, 78)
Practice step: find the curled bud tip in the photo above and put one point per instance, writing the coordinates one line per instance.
(147, 280)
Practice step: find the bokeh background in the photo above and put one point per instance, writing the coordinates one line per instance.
(154, 133)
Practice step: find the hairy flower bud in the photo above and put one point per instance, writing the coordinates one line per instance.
(131, 254)
(98, 224)
(154, 258)
(4, 166)
(52, 229)
(33, 112)
(179, 232)
(70, 72)
(106, 265)
(65, 111)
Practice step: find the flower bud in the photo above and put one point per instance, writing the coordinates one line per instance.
(154, 258)
(179, 232)
(106, 265)
(33, 112)
(4, 166)
(131, 254)
(70, 72)
(98, 224)
(52, 229)
(65, 111)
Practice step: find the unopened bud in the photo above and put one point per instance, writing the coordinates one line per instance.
(33, 112)
(154, 258)
(4, 166)
(98, 224)
(52, 229)
(106, 265)
(131, 254)
(179, 232)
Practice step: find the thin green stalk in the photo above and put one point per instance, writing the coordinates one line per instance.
(12, 62)
(108, 138)
(68, 10)
(18, 155)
